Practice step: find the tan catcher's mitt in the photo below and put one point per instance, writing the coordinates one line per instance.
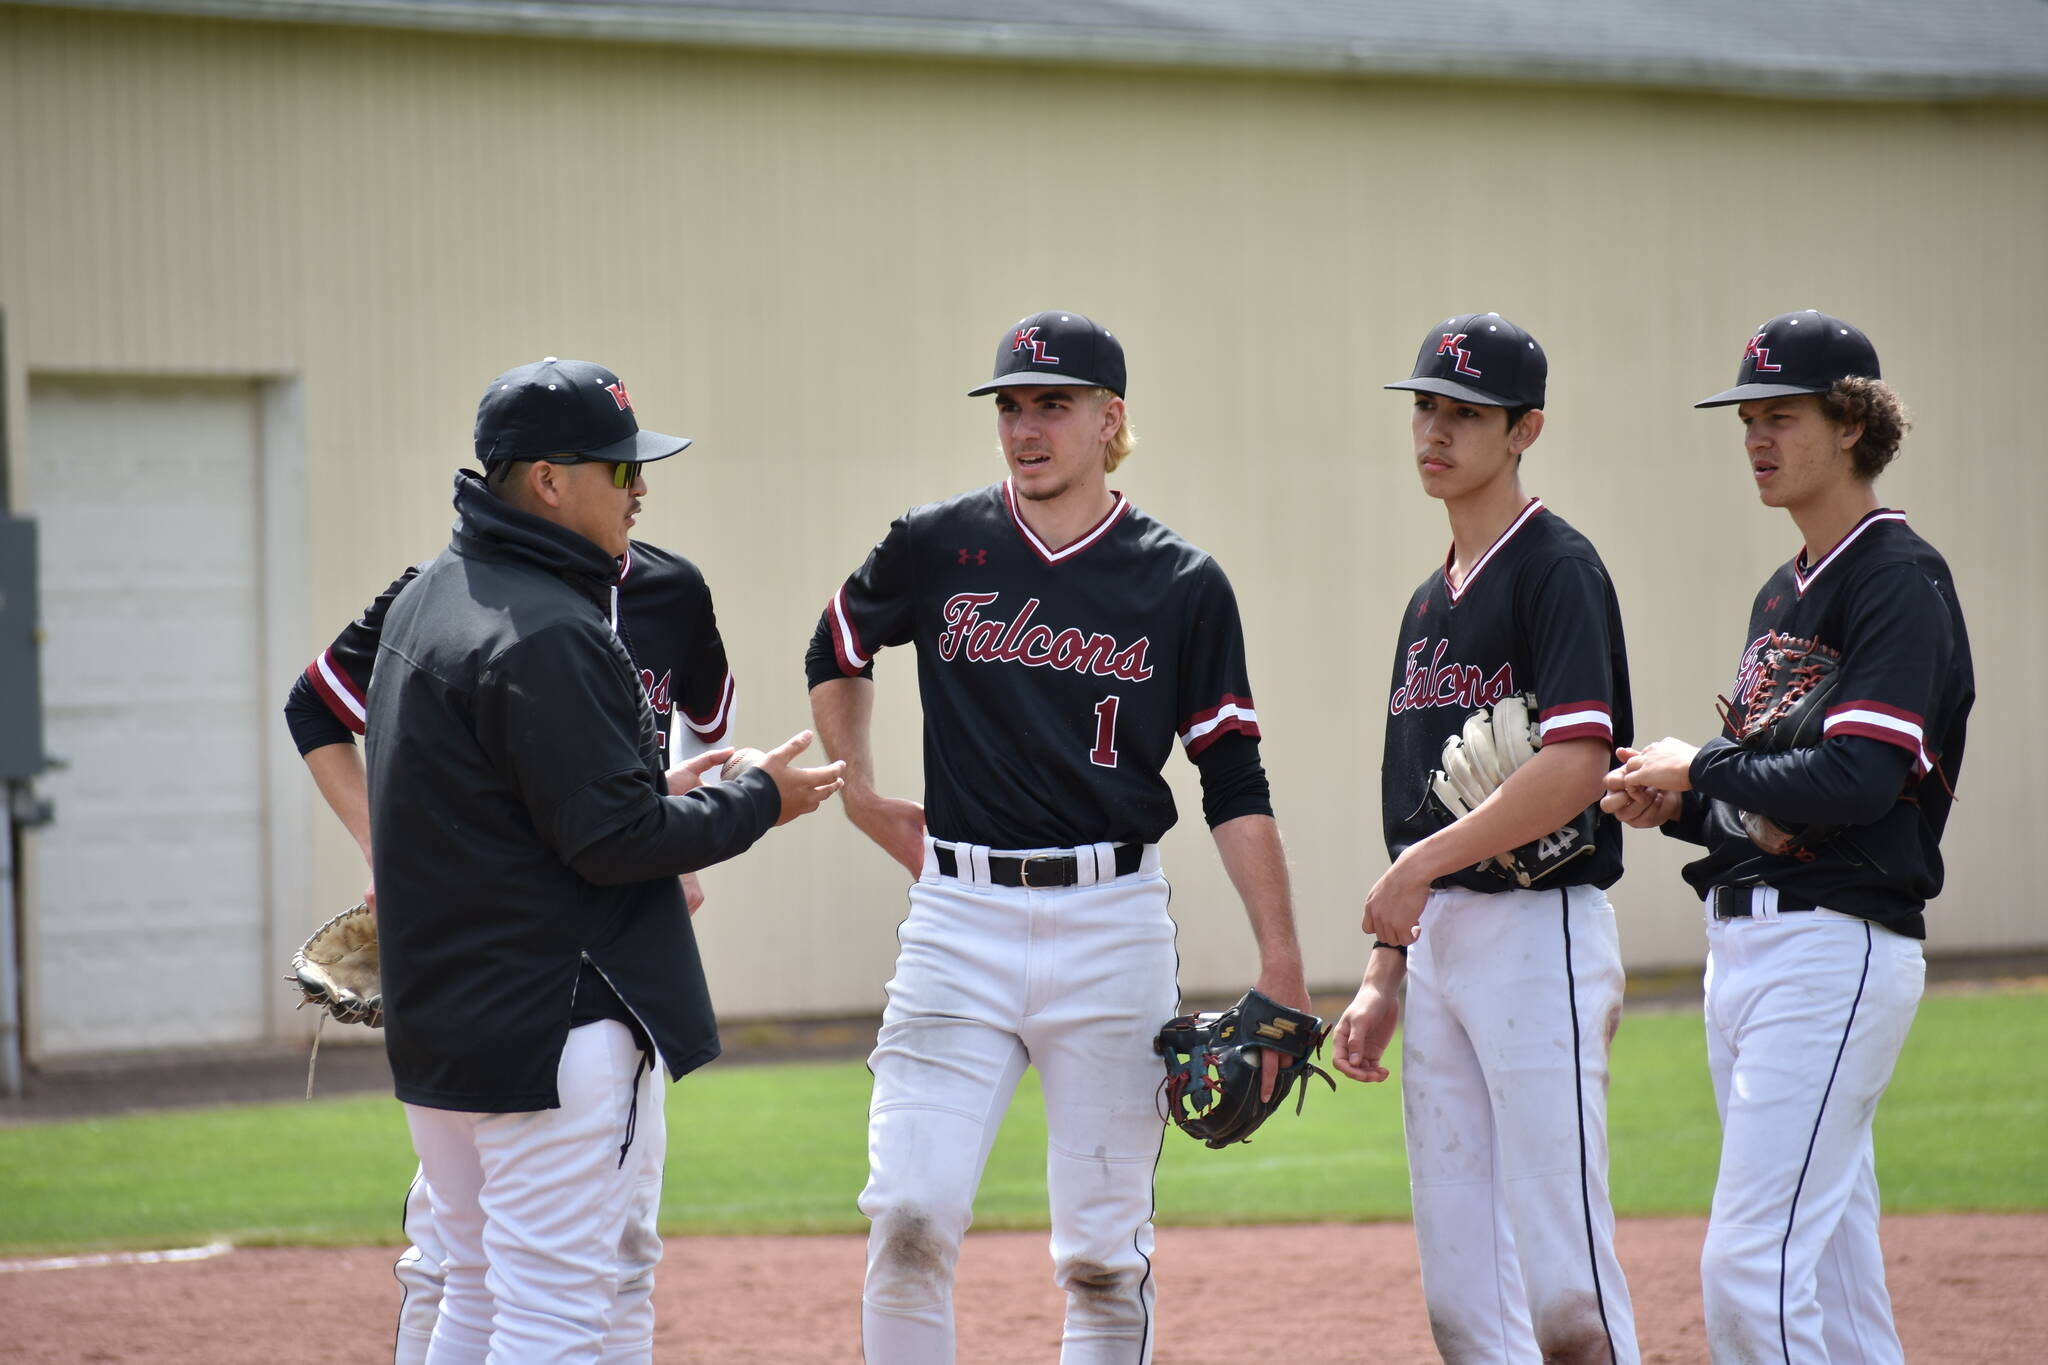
(337, 969)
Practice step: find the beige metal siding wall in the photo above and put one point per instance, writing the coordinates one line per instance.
(803, 262)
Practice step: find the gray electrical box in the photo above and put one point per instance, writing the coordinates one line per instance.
(21, 679)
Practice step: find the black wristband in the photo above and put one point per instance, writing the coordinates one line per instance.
(1400, 948)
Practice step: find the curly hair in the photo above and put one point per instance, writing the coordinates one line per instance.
(1885, 421)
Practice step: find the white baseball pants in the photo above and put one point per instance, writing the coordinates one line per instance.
(1513, 999)
(1806, 1014)
(989, 979)
(546, 1247)
(420, 1276)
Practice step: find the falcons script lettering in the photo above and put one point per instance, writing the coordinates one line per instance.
(980, 639)
(1437, 683)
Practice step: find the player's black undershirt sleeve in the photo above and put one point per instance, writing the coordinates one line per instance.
(1233, 780)
(312, 724)
(1845, 780)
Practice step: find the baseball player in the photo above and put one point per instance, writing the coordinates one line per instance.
(537, 958)
(1513, 993)
(1819, 859)
(1064, 641)
(662, 610)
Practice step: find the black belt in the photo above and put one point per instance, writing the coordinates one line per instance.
(1742, 902)
(1041, 870)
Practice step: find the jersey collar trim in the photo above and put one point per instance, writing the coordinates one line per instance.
(1802, 578)
(1458, 590)
(1079, 544)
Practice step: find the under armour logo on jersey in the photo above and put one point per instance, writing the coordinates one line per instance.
(1028, 336)
(974, 556)
(1453, 345)
(1761, 354)
(619, 395)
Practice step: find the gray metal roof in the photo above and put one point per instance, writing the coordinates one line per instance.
(1820, 49)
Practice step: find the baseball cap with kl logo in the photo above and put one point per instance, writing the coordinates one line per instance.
(1798, 353)
(1480, 358)
(564, 407)
(1057, 347)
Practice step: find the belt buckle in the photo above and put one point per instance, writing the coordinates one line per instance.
(1024, 869)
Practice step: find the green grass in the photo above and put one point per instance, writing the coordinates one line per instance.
(783, 1149)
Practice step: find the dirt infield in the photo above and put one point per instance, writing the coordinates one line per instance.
(1969, 1290)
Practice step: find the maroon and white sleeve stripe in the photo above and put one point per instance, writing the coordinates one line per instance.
(337, 689)
(1887, 724)
(711, 727)
(845, 639)
(1576, 720)
(1231, 715)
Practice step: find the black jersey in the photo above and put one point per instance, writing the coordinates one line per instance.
(661, 609)
(1892, 743)
(1054, 682)
(1536, 613)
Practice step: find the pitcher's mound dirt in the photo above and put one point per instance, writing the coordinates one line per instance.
(1970, 1290)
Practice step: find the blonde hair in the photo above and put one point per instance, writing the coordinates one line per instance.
(1122, 442)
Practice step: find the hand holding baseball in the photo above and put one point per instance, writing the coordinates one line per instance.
(689, 774)
(802, 790)
(741, 760)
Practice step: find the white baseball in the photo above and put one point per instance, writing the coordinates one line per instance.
(741, 760)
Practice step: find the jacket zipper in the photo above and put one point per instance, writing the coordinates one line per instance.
(645, 1032)
(650, 1056)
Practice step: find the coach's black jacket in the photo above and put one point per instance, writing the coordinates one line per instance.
(519, 822)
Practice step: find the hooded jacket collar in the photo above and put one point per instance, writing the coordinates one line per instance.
(488, 527)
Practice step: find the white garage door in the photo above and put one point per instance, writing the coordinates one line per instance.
(151, 607)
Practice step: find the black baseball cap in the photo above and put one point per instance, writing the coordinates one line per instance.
(564, 407)
(1802, 352)
(1055, 347)
(1480, 358)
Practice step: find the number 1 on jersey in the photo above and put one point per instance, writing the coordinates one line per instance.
(1103, 755)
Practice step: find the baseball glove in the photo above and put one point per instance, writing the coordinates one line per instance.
(1212, 1066)
(337, 969)
(1786, 708)
(1494, 742)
